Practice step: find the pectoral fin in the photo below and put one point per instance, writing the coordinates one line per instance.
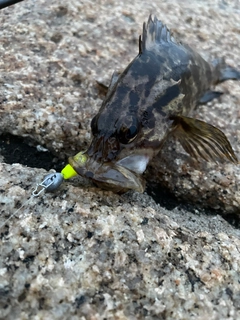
(200, 139)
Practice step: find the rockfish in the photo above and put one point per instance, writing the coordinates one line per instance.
(148, 103)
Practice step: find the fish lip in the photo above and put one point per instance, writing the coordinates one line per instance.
(110, 176)
(119, 179)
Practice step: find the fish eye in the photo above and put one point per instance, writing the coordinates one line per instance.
(94, 125)
(127, 134)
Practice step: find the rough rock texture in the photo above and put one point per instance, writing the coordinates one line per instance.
(84, 253)
(52, 53)
(90, 254)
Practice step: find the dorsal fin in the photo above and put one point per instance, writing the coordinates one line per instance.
(154, 32)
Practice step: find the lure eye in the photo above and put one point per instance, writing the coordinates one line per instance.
(128, 132)
(94, 125)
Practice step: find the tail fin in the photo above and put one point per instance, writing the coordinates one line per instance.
(224, 72)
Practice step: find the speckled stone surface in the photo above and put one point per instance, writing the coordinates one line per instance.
(83, 253)
(89, 254)
(52, 53)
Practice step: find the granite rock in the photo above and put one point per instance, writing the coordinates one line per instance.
(53, 54)
(85, 253)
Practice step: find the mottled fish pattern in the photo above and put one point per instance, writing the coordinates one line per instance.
(149, 102)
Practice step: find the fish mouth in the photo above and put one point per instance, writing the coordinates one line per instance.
(119, 176)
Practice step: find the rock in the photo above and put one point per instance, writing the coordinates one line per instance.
(84, 253)
(49, 76)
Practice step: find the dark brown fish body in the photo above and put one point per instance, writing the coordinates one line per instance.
(148, 102)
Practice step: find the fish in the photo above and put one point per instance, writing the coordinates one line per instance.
(148, 103)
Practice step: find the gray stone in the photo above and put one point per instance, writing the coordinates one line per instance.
(85, 253)
(91, 254)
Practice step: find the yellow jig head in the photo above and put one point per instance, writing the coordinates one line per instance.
(53, 180)
(78, 160)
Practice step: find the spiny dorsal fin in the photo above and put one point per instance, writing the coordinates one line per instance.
(154, 32)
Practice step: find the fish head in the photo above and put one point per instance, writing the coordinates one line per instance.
(115, 159)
